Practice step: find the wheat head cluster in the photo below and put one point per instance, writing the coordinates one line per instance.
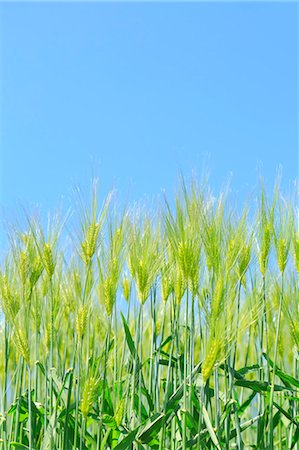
(124, 328)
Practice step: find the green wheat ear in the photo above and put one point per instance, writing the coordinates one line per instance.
(143, 258)
(89, 245)
(167, 282)
(109, 289)
(282, 253)
(21, 343)
(265, 248)
(89, 395)
(119, 415)
(24, 266)
(179, 285)
(126, 288)
(9, 301)
(213, 350)
(110, 264)
(296, 252)
(217, 300)
(81, 320)
(243, 263)
(48, 260)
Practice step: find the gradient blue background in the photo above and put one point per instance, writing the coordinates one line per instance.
(134, 93)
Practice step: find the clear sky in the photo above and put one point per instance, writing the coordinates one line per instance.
(134, 93)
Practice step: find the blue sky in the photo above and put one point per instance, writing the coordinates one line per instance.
(134, 93)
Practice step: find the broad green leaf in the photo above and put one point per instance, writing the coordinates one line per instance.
(152, 429)
(129, 338)
(105, 438)
(190, 422)
(210, 427)
(247, 402)
(295, 439)
(109, 421)
(19, 446)
(134, 354)
(259, 386)
(285, 413)
(288, 380)
(245, 425)
(247, 369)
(128, 440)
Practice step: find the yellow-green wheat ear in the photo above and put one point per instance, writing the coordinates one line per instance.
(119, 415)
(126, 288)
(166, 287)
(8, 301)
(296, 252)
(265, 248)
(24, 267)
(81, 321)
(89, 245)
(109, 295)
(22, 345)
(48, 260)
(210, 359)
(282, 253)
(244, 261)
(89, 395)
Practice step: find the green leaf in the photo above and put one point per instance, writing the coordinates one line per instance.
(210, 428)
(134, 354)
(165, 362)
(235, 373)
(276, 419)
(128, 440)
(168, 339)
(144, 412)
(247, 402)
(288, 380)
(114, 437)
(148, 397)
(109, 421)
(19, 446)
(295, 438)
(259, 386)
(285, 413)
(152, 429)
(190, 421)
(245, 425)
(104, 441)
(129, 338)
(50, 432)
(247, 369)
(177, 395)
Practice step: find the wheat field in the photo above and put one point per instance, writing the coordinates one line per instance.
(127, 329)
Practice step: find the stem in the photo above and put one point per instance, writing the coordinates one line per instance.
(29, 408)
(153, 349)
(184, 430)
(271, 429)
(104, 380)
(124, 347)
(77, 392)
(140, 361)
(51, 347)
(19, 393)
(65, 437)
(217, 403)
(166, 393)
(6, 352)
(115, 371)
(260, 425)
(157, 367)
